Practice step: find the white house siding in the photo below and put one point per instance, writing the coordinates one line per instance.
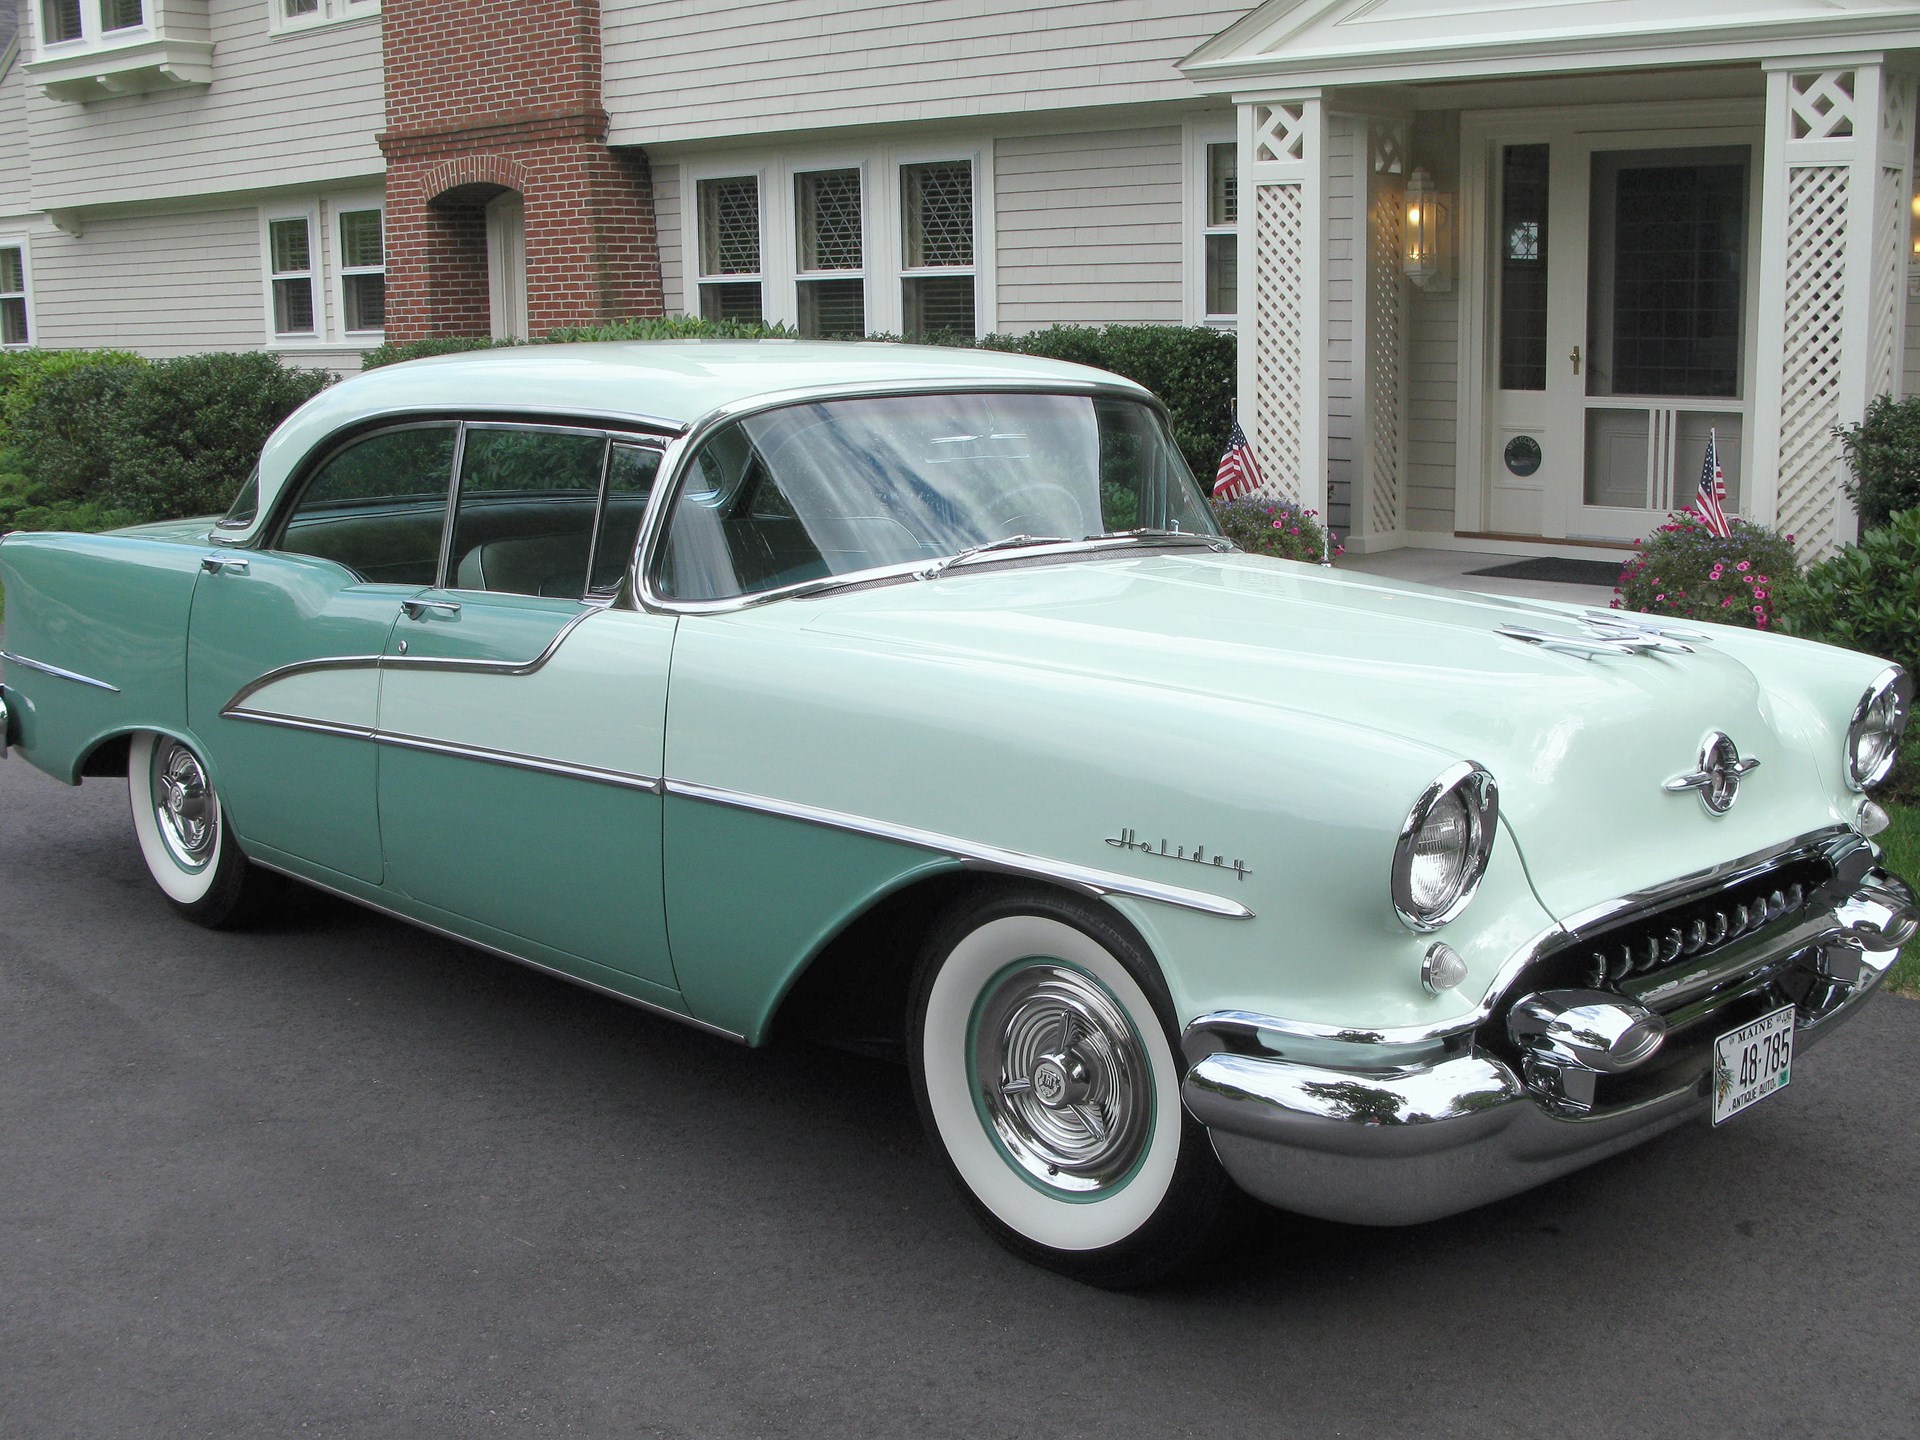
(163, 285)
(1344, 239)
(1089, 228)
(299, 108)
(1910, 378)
(13, 140)
(668, 221)
(682, 71)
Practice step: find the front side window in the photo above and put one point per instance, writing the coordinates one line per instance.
(936, 244)
(378, 505)
(834, 487)
(730, 249)
(14, 329)
(363, 270)
(290, 266)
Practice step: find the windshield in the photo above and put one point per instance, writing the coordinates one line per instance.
(811, 491)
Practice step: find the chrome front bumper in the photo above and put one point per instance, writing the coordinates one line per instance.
(1396, 1144)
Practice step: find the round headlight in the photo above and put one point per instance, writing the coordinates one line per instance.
(1873, 737)
(1444, 847)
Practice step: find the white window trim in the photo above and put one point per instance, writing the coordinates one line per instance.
(322, 214)
(326, 13)
(880, 209)
(334, 207)
(17, 240)
(93, 34)
(1196, 229)
(790, 258)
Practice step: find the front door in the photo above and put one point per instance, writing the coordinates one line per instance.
(1621, 334)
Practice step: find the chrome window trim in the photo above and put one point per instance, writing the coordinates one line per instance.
(985, 857)
(45, 669)
(679, 457)
(433, 929)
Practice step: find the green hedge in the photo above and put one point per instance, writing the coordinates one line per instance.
(1883, 454)
(111, 439)
(1189, 367)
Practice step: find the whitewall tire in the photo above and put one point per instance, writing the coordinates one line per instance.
(1045, 1068)
(183, 834)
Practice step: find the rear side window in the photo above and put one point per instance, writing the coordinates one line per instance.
(528, 502)
(379, 505)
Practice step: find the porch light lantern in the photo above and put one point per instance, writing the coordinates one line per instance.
(1428, 260)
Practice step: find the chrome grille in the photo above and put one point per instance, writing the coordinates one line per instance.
(1690, 930)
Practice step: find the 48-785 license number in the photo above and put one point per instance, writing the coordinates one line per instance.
(1752, 1063)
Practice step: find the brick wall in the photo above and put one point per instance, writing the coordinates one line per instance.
(485, 96)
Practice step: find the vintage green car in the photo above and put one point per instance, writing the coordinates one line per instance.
(912, 696)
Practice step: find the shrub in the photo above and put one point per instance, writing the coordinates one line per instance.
(1191, 367)
(673, 327)
(21, 372)
(1883, 452)
(1686, 570)
(193, 427)
(118, 441)
(393, 352)
(1279, 528)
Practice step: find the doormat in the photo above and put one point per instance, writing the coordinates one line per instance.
(1567, 572)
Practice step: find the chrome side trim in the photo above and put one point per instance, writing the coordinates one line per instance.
(985, 857)
(446, 934)
(297, 722)
(513, 760)
(409, 662)
(57, 672)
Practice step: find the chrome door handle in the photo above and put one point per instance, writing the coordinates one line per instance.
(214, 564)
(420, 609)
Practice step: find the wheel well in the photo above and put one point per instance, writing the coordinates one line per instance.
(107, 759)
(855, 992)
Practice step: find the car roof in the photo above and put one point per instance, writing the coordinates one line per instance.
(670, 383)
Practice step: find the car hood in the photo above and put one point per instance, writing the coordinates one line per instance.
(1581, 748)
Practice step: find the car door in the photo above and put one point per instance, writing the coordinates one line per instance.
(285, 640)
(522, 716)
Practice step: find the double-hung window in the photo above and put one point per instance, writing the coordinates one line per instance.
(65, 21)
(730, 248)
(838, 245)
(326, 271)
(15, 326)
(303, 14)
(936, 245)
(830, 244)
(1214, 274)
(290, 276)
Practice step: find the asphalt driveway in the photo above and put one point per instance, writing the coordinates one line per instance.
(339, 1177)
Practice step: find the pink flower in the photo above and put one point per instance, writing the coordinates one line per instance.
(1660, 596)
(1726, 602)
(1759, 594)
(1278, 524)
(1744, 565)
(1763, 580)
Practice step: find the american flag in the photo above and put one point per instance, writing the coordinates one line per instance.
(1239, 472)
(1708, 503)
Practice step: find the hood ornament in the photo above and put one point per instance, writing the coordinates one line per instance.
(1718, 776)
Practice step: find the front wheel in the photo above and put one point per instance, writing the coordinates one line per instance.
(183, 834)
(1045, 1068)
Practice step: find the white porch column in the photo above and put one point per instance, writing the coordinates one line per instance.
(1833, 253)
(1282, 383)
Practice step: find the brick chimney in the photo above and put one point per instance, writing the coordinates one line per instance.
(490, 96)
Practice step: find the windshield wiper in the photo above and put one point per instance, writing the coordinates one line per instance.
(1167, 537)
(1008, 542)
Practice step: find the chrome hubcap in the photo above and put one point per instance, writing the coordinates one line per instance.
(183, 805)
(1063, 1079)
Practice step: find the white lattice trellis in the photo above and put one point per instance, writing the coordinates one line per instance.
(1896, 113)
(1890, 230)
(1279, 334)
(1810, 393)
(1279, 133)
(1386, 226)
(1821, 105)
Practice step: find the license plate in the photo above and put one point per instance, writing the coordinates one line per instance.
(1752, 1063)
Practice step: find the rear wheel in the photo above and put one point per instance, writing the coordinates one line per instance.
(1045, 1066)
(183, 835)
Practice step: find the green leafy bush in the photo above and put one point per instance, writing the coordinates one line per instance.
(120, 441)
(21, 372)
(1276, 527)
(1685, 570)
(673, 327)
(395, 351)
(1883, 452)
